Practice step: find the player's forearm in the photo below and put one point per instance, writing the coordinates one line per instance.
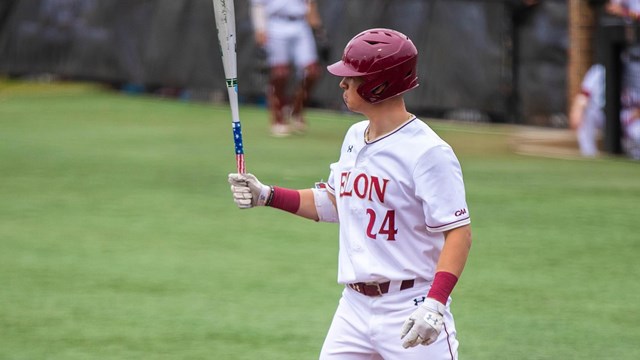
(577, 109)
(258, 17)
(455, 251)
(307, 207)
(451, 263)
(259, 21)
(298, 202)
(313, 15)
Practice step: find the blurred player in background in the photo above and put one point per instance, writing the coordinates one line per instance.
(398, 194)
(624, 8)
(284, 28)
(630, 105)
(587, 110)
(629, 10)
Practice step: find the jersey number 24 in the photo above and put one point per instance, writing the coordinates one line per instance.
(388, 226)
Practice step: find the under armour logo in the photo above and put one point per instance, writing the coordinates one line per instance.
(350, 148)
(419, 300)
(430, 319)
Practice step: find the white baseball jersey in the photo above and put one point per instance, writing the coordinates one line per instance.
(593, 86)
(290, 38)
(395, 197)
(284, 7)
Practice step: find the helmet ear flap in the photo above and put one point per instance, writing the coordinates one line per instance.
(395, 80)
(372, 88)
(378, 90)
(371, 92)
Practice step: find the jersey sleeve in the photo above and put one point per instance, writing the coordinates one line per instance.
(331, 187)
(593, 79)
(593, 85)
(440, 186)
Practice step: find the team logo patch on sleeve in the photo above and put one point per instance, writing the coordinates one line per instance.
(460, 212)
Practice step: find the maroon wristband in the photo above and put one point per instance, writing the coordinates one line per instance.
(284, 199)
(443, 284)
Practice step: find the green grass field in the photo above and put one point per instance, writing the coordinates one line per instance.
(119, 238)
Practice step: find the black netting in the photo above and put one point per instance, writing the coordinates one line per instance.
(479, 58)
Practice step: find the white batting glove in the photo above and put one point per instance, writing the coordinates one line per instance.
(424, 325)
(248, 191)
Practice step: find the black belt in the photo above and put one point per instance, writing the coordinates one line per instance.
(378, 289)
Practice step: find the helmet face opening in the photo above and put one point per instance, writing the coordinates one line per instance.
(386, 60)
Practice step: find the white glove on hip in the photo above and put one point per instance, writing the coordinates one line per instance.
(248, 191)
(424, 325)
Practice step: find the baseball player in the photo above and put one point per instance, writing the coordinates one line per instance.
(630, 105)
(284, 29)
(587, 110)
(398, 195)
(630, 118)
(630, 57)
(628, 9)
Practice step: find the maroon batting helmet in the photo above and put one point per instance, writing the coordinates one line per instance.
(385, 59)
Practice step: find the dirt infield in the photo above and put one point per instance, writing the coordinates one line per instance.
(548, 142)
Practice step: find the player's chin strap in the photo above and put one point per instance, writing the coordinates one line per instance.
(326, 210)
